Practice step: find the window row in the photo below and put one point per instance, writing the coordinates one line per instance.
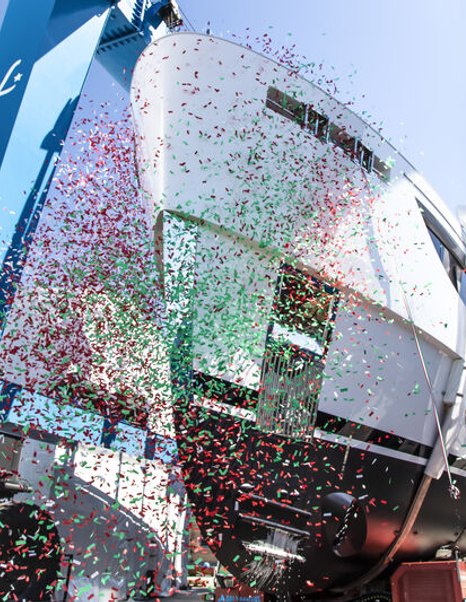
(320, 127)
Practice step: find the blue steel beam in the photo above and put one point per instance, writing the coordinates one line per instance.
(21, 38)
(55, 46)
(45, 57)
(62, 49)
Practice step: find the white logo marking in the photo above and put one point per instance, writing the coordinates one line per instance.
(4, 90)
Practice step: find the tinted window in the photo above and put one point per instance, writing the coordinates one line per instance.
(450, 263)
(294, 358)
(305, 305)
(286, 105)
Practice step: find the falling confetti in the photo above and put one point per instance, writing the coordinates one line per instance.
(246, 291)
(291, 280)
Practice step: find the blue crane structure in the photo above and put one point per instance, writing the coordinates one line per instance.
(48, 52)
(58, 60)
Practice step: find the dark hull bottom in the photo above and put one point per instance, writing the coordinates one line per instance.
(303, 518)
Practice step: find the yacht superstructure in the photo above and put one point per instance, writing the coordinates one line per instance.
(313, 287)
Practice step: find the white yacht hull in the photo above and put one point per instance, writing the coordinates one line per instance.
(316, 340)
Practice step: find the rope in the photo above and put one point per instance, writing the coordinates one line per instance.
(454, 491)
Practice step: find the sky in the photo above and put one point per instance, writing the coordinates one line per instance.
(401, 65)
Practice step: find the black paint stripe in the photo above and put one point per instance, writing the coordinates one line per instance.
(366, 434)
(242, 397)
(224, 391)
